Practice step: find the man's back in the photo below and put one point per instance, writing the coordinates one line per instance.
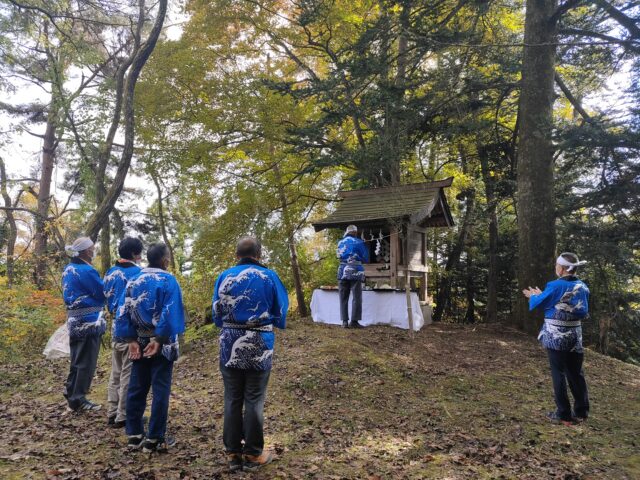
(152, 307)
(248, 301)
(115, 281)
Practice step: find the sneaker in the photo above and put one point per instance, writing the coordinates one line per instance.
(111, 420)
(345, 324)
(118, 424)
(88, 406)
(135, 442)
(355, 324)
(254, 462)
(234, 461)
(555, 418)
(161, 446)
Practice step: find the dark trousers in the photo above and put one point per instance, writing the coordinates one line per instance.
(567, 367)
(344, 289)
(84, 357)
(154, 373)
(248, 388)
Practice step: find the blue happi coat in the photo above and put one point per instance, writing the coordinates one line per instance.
(83, 295)
(152, 307)
(565, 302)
(352, 252)
(248, 301)
(115, 281)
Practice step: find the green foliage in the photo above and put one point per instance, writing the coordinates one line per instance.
(261, 110)
(27, 318)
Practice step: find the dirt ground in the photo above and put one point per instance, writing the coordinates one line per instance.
(455, 402)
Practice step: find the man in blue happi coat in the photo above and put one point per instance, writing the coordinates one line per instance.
(150, 317)
(115, 280)
(565, 302)
(83, 295)
(352, 252)
(248, 301)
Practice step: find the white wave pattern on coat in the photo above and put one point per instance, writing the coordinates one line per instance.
(226, 301)
(248, 351)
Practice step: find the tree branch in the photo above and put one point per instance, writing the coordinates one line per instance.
(627, 22)
(629, 44)
(573, 100)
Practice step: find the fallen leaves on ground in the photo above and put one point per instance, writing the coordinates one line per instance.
(455, 402)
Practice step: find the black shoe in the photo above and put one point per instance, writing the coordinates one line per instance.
(355, 325)
(135, 442)
(557, 419)
(111, 420)
(151, 445)
(118, 424)
(234, 462)
(345, 324)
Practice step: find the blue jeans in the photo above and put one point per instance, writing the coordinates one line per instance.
(155, 373)
(248, 388)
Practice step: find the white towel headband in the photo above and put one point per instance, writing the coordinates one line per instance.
(78, 246)
(566, 263)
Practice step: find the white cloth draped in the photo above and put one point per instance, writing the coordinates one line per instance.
(378, 308)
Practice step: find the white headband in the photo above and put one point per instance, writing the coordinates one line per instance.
(566, 263)
(78, 246)
(350, 229)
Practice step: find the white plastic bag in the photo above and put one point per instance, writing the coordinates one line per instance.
(58, 344)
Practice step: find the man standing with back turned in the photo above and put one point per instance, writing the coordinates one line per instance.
(84, 297)
(150, 317)
(248, 301)
(115, 281)
(352, 252)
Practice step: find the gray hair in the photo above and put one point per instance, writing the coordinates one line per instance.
(248, 247)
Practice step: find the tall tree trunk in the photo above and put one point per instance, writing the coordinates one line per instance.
(118, 224)
(161, 220)
(13, 229)
(604, 320)
(535, 200)
(291, 243)
(44, 195)
(470, 316)
(105, 247)
(492, 278)
(444, 289)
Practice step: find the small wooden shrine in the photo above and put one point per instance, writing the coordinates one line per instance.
(394, 222)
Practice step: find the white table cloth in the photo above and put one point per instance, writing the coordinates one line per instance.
(378, 308)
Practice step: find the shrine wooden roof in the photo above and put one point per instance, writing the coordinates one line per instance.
(423, 204)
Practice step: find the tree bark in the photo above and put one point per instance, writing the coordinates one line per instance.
(13, 229)
(535, 199)
(161, 220)
(492, 278)
(118, 224)
(44, 195)
(444, 289)
(291, 243)
(105, 246)
(470, 316)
